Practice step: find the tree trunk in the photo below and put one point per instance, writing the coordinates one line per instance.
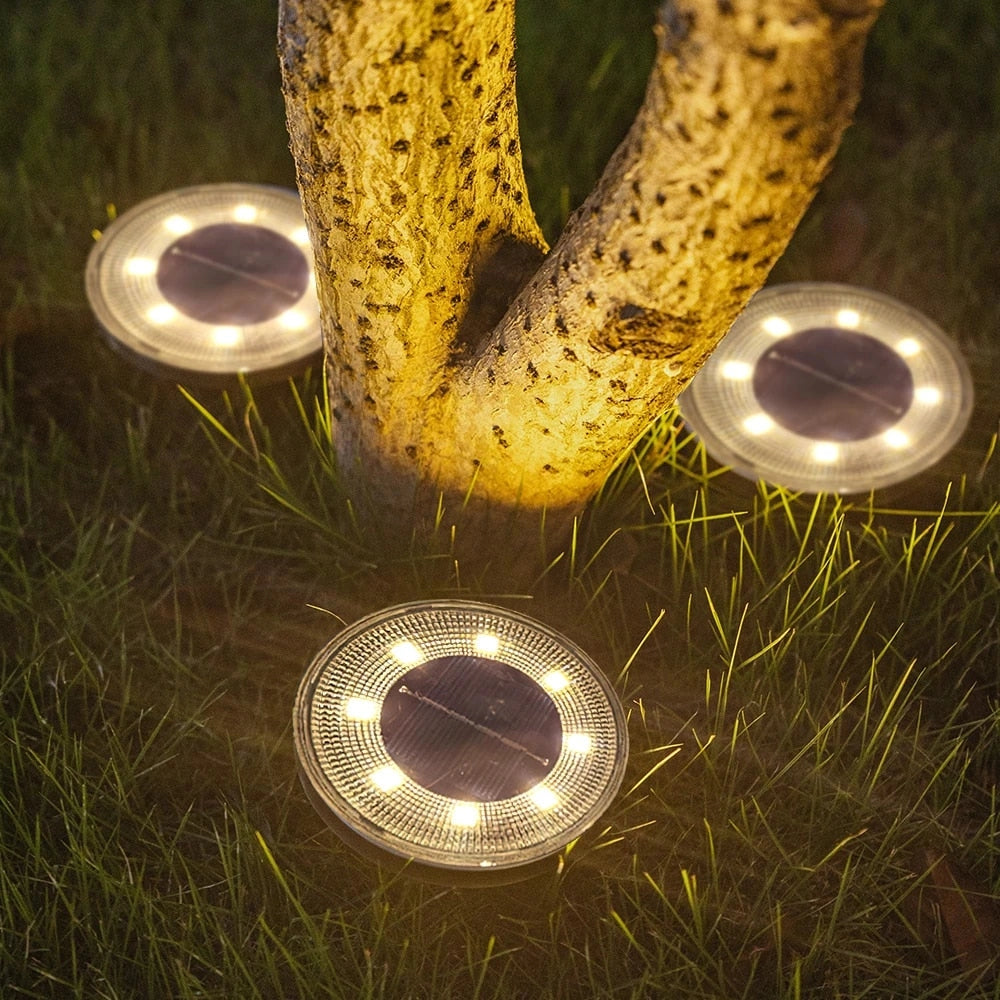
(464, 358)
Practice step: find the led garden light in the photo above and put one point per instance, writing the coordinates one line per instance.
(827, 387)
(459, 736)
(215, 279)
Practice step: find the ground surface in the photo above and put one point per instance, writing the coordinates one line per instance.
(810, 808)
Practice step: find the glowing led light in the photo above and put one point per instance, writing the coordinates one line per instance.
(895, 438)
(825, 452)
(758, 423)
(299, 235)
(179, 225)
(465, 814)
(464, 709)
(292, 319)
(555, 680)
(407, 653)
(221, 258)
(226, 336)
(140, 267)
(776, 326)
(578, 742)
(245, 213)
(361, 709)
(487, 644)
(388, 778)
(161, 313)
(737, 371)
(826, 387)
(543, 797)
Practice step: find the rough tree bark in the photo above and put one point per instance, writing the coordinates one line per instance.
(463, 355)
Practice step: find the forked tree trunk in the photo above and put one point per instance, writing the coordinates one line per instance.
(464, 358)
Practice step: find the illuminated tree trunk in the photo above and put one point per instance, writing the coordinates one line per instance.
(467, 359)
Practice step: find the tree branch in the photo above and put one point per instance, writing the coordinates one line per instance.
(744, 111)
(404, 130)
(403, 125)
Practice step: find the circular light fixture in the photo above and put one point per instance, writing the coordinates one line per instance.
(830, 388)
(215, 279)
(459, 736)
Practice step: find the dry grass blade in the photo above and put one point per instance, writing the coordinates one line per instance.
(971, 917)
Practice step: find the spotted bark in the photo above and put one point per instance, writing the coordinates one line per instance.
(467, 359)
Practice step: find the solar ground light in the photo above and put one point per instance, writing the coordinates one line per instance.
(215, 280)
(460, 737)
(826, 387)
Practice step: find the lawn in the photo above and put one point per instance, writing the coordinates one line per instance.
(812, 683)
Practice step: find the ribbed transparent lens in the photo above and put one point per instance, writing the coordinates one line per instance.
(827, 387)
(215, 279)
(460, 735)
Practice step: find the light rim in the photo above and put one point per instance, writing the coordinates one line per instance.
(597, 774)
(719, 408)
(121, 301)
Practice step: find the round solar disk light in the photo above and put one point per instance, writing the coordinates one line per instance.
(215, 280)
(830, 388)
(459, 736)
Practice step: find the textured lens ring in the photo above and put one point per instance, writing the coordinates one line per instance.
(721, 407)
(352, 779)
(128, 298)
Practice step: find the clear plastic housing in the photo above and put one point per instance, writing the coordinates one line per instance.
(215, 279)
(868, 393)
(348, 704)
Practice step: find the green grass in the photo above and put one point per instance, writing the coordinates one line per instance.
(812, 683)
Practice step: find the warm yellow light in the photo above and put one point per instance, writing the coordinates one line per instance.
(555, 680)
(226, 336)
(758, 423)
(300, 236)
(578, 742)
(543, 797)
(849, 318)
(436, 776)
(465, 814)
(140, 267)
(777, 326)
(895, 438)
(895, 363)
(292, 319)
(245, 213)
(361, 709)
(487, 644)
(161, 313)
(738, 371)
(178, 224)
(406, 653)
(825, 452)
(159, 286)
(387, 778)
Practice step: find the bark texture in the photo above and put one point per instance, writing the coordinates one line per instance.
(464, 358)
